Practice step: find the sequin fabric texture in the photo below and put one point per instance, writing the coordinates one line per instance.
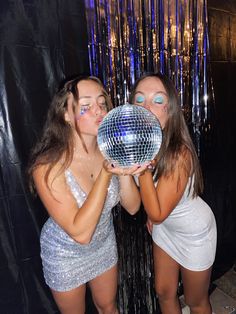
(189, 233)
(68, 264)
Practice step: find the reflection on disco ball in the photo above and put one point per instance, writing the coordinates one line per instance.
(128, 135)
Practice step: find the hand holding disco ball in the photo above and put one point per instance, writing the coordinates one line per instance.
(129, 135)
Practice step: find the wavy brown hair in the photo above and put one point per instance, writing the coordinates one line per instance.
(176, 136)
(57, 135)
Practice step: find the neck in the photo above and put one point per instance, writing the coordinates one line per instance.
(91, 146)
(86, 160)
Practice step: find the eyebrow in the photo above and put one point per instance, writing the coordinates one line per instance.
(138, 92)
(157, 92)
(91, 96)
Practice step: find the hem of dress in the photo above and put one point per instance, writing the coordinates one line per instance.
(181, 263)
(82, 282)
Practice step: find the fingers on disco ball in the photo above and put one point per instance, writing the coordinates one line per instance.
(129, 135)
(150, 167)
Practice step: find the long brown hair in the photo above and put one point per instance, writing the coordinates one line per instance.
(57, 135)
(176, 136)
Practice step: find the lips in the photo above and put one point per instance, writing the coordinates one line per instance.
(98, 121)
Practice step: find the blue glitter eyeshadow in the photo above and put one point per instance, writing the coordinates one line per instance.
(158, 99)
(140, 99)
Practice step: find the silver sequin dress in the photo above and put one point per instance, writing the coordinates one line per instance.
(68, 264)
(188, 234)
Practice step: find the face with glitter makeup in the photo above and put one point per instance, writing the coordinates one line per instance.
(91, 107)
(151, 94)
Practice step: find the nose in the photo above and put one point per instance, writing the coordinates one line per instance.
(97, 109)
(147, 104)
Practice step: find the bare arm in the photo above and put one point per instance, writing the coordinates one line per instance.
(79, 223)
(159, 201)
(129, 193)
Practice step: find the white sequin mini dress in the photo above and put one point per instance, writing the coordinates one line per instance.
(188, 234)
(68, 264)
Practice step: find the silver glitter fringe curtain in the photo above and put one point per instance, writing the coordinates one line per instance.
(127, 38)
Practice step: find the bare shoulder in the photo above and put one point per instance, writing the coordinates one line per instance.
(55, 194)
(184, 160)
(51, 184)
(42, 174)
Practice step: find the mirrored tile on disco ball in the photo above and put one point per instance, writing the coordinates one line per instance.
(129, 134)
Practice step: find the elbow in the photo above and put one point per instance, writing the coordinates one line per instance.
(156, 220)
(82, 239)
(133, 207)
(133, 210)
(80, 235)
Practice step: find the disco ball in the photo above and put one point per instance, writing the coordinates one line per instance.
(128, 135)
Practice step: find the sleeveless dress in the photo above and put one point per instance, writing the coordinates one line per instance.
(68, 264)
(188, 234)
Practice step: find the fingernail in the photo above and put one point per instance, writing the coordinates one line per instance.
(112, 165)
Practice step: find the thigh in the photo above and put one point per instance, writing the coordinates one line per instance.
(166, 271)
(196, 285)
(71, 302)
(104, 287)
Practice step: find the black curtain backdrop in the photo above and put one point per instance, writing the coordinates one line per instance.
(41, 42)
(219, 164)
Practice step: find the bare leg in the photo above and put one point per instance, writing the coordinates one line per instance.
(104, 289)
(196, 285)
(71, 302)
(166, 281)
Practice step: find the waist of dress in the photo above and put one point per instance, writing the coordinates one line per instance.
(191, 217)
(189, 205)
(54, 234)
